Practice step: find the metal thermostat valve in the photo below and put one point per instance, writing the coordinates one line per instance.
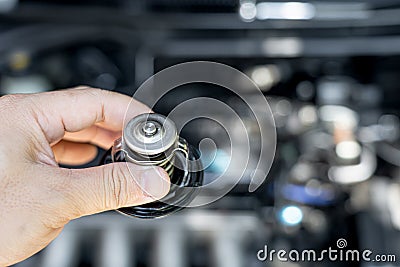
(152, 140)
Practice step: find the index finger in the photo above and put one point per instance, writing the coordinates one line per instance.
(74, 110)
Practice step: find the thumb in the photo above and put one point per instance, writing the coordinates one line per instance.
(113, 186)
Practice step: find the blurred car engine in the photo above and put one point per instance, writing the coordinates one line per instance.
(330, 72)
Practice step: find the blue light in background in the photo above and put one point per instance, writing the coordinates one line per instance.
(309, 196)
(220, 163)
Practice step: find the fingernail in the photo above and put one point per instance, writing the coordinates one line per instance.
(155, 182)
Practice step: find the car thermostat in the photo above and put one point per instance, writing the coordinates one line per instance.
(152, 140)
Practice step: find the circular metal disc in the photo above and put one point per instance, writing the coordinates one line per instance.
(150, 134)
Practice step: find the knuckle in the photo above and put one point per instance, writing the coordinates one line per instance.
(10, 100)
(115, 188)
(101, 96)
(96, 92)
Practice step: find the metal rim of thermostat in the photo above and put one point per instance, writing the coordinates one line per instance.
(154, 88)
(163, 137)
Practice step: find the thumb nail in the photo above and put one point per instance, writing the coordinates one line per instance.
(155, 182)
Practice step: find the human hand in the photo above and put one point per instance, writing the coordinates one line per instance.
(37, 197)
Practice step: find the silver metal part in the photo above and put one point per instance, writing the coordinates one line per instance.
(150, 134)
(150, 128)
(150, 140)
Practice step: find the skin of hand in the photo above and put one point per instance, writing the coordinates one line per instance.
(38, 198)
